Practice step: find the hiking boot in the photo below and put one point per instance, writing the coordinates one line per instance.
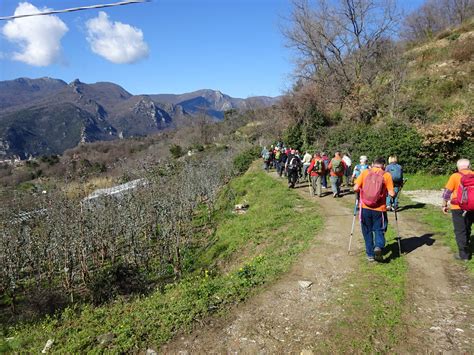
(457, 257)
(334, 195)
(370, 259)
(378, 254)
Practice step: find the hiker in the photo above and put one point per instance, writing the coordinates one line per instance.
(300, 166)
(336, 171)
(347, 170)
(283, 160)
(396, 171)
(459, 190)
(265, 154)
(316, 171)
(359, 168)
(277, 160)
(306, 163)
(293, 164)
(373, 185)
(325, 159)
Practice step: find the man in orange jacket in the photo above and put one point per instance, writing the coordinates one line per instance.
(462, 220)
(373, 185)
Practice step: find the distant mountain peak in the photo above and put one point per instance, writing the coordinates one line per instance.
(46, 115)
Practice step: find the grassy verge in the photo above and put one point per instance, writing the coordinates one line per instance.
(425, 182)
(244, 252)
(372, 304)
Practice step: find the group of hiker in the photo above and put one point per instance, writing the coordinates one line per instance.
(377, 187)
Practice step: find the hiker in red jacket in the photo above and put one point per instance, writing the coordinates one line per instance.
(316, 171)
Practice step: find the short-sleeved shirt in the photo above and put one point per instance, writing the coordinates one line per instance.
(388, 184)
(453, 185)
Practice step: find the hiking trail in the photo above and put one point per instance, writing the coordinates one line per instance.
(285, 317)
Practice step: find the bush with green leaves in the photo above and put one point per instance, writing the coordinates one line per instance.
(388, 139)
(243, 160)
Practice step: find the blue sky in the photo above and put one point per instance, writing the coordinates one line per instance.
(234, 46)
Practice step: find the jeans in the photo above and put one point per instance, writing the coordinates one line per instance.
(278, 167)
(316, 185)
(374, 225)
(462, 231)
(336, 184)
(324, 181)
(395, 200)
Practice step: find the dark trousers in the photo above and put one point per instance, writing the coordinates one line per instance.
(278, 167)
(374, 225)
(292, 177)
(324, 181)
(462, 231)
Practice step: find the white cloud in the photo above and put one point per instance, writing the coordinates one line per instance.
(115, 41)
(39, 37)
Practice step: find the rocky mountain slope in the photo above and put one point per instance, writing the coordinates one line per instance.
(47, 116)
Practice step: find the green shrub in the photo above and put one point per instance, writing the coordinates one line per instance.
(453, 36)
(391, 139)
(448, 87)
(243, 160)
(176, 151)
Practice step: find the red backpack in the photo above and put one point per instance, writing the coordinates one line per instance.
(374, 191)
(465, 196)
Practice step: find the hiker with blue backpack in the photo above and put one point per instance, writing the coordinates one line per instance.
(396, 171)
(459, 191)
(359, 168)
(374, 185)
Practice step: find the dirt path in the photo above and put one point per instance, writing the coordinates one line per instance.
(286, 318)
(440, 316)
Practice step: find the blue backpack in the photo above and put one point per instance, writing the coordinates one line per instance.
(396, 171)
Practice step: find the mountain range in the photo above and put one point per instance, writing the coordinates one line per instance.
(46, 116)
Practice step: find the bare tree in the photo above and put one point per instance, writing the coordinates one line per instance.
(341, 43)
(434, 16)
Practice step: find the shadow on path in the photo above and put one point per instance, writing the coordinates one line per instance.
(408, 245)
(412, 207)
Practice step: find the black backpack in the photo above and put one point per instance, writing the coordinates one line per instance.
(294, 163)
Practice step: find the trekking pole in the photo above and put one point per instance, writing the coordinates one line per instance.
(353, 223)
(309, 186)
(399, 239)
